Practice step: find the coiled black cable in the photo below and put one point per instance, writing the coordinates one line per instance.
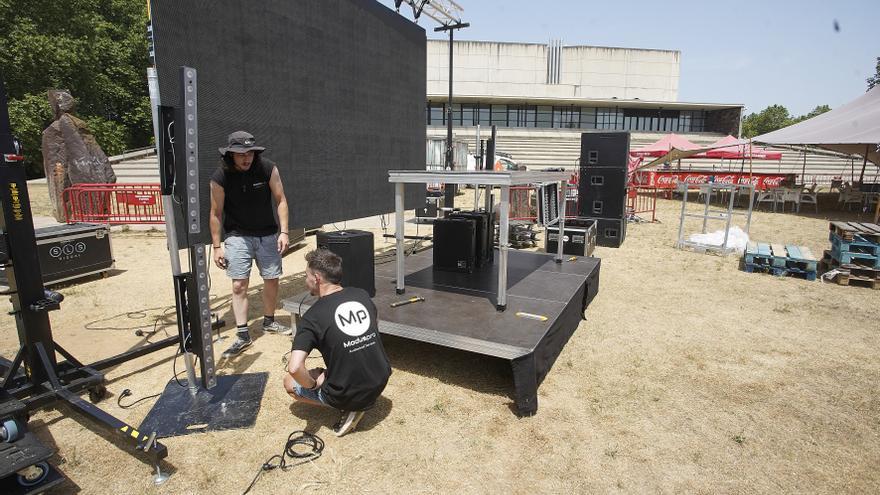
(300, 445)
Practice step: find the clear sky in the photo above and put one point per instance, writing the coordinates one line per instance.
(750, 52)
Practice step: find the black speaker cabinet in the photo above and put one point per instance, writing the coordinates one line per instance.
(602, 192)
(67, 252)
(355, 247)
(605, 149)
(483, 232)
(610, 232)
(578, 240)
(455, 245)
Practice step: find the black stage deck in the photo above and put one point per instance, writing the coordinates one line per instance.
(459, 311)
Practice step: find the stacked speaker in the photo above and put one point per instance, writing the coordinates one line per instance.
(355, 247)
(463, 241)
(602, 187)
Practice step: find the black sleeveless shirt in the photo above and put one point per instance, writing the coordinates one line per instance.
(248, 209)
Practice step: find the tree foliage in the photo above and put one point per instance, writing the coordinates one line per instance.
(775, 117)
(96, 49)
(875, 79)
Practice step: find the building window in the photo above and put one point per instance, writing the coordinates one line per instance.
(544, 116)
(499, 115)
(692, 121)
(436, 114)
(521, 115)
(463, 114)
(609, 119)
(484, 115)
(566, 117)
(588, 118)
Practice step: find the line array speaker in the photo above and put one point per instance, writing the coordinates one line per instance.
(605, 149)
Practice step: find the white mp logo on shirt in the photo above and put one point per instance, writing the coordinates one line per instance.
(352, 318)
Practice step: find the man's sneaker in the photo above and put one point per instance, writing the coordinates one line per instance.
(347, 422)
(239, 345)
(277, 328)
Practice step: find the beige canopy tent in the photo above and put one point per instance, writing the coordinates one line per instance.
(853, 129)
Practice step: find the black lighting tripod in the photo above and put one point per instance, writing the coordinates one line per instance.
(34, 378)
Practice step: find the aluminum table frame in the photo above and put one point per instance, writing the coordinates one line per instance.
(490, 179)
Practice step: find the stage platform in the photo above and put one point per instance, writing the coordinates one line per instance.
(459, 311)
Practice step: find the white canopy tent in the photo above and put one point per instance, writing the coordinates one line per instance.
(853, 129)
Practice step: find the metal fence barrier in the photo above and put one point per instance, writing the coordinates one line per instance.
(114, 204)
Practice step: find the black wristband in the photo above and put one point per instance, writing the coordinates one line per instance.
(285, 233)
(216, 247)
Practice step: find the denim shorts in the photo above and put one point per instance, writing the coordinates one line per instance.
(315, 395)
(242, 251)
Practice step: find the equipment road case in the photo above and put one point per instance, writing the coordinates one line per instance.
(67, 252)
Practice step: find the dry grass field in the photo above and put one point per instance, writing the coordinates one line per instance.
(688, 376)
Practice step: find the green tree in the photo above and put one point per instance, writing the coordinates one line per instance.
(875, 79)
(775, 117)
(771, 118)
(96, 49)
(819, 110)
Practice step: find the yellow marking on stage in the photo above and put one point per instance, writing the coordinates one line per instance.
(134, 433)
(531, 316)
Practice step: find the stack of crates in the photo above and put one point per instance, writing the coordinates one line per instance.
(854, 256)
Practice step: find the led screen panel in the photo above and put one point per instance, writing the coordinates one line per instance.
(334, 89)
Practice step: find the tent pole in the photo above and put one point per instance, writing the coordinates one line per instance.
(803, 169)
(750, 161)
(864, 164)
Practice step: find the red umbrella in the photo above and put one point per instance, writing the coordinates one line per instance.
(735, 149)
(666, 144)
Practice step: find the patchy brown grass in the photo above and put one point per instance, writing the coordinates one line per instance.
(687, 376)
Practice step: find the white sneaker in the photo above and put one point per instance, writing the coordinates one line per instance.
(277, 328)
(348, 422)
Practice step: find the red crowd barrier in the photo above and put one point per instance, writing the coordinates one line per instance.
(114, 203)
(523, 202)
(642, 200)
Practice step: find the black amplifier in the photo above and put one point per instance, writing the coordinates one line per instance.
(579, 240)
(67, 252)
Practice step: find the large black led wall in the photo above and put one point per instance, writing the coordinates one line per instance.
(334, 89)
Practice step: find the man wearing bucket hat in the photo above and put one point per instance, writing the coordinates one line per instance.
(243, 190)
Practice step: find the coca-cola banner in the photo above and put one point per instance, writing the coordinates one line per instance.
(669, 179)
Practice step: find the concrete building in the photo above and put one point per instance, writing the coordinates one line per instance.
(542, 97)
(527, 85)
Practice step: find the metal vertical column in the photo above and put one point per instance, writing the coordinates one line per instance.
(398, 223)
(449, 189)
(560, 201)
(503, 246)
(729, 216)
(684, 190)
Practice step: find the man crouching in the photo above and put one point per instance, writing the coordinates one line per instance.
(342, 325)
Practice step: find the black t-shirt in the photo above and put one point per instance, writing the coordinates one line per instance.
(343, 326)
(247, 209)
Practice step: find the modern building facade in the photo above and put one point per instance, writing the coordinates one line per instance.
(527, 85)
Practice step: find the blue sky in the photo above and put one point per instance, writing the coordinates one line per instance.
(754, 53)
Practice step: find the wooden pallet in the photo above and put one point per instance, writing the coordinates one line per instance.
(844, 278)
(828, 263)
(847, 230)
(858, 244)
(780, 256)
(779, 272)
(855, 258)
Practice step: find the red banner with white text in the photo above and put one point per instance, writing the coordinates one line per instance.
(669, 179)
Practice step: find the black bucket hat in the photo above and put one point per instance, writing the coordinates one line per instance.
(241, 142)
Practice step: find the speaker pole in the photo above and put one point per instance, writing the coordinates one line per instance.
(449, 189)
